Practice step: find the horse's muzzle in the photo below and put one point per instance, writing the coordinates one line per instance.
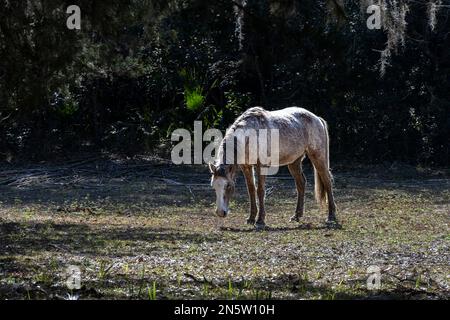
(222, 213)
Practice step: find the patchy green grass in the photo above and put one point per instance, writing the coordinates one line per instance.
(144, 231)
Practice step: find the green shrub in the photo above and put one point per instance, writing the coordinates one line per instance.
(194, 98)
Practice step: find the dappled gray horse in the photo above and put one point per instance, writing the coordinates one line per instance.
(300, 133)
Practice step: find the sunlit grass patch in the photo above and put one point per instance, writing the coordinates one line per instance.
(158, 244)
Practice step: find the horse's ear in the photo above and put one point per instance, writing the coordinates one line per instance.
(212, 168)
(231, 171)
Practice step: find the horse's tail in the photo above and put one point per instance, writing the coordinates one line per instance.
(319, 183)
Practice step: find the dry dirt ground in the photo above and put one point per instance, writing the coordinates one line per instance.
(142, 229)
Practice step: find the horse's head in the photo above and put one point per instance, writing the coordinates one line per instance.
(222, 181)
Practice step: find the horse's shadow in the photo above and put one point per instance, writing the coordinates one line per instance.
(302, 226)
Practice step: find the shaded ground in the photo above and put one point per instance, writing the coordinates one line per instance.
(145, 229)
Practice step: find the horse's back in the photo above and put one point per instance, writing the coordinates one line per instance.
(299, 130)
(297, 113)
(283, 117)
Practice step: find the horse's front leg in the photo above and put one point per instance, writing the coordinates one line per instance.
(249, 180)
(260, 223)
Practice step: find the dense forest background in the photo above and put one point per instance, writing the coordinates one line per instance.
(138, 69)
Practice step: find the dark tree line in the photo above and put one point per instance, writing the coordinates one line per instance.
(139, 69)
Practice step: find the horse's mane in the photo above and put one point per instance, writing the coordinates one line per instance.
(253, 115)
(257, 114)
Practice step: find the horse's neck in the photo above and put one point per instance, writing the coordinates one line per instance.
(225, 158)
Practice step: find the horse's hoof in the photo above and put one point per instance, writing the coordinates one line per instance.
(259, 226)
(333, 224)
(251, 221)
(295, 218)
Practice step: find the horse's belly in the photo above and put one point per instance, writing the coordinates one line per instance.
(286, 155)
(291, 149)
(290, 158)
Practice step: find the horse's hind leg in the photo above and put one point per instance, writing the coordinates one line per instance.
(321, 165)
(296, 171)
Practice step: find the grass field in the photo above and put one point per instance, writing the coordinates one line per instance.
(146, 230)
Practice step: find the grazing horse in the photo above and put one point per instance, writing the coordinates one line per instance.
(300, 133)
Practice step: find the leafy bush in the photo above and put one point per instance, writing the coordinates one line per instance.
(194, 98)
